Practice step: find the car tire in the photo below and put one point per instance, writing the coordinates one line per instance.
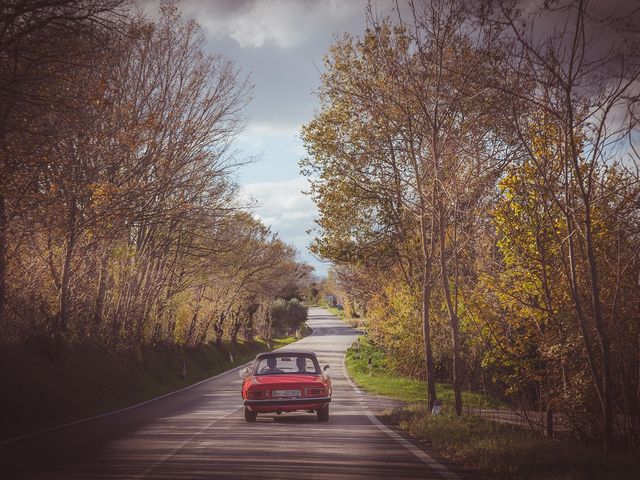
(250, 416)
(323, 414)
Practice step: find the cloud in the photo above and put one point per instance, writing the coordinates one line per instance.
(256, 136)
(256, 23)
(283, 206)
(275, 148)
(271, 129)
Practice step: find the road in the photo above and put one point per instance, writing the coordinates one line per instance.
(200, 433)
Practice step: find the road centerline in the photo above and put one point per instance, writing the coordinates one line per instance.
(183, 444)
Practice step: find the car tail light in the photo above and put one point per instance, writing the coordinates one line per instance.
(316, 392)
(256, 394)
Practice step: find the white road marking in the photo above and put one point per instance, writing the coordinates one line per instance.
(420, 454)
(114, 412)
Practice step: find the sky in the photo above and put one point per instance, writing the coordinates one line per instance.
(279, 44)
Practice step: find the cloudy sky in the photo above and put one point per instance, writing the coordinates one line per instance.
(280, 45)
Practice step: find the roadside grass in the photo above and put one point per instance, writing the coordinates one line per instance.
(377, 377)
(351, 321)
(501, 451)
(336, 311)
(90, 380)
(495, 450)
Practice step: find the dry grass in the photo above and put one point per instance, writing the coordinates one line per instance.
(500, 451)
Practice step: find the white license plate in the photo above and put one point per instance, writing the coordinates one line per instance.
(285, 393)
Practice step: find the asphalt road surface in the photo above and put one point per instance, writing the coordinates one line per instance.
(200, 432)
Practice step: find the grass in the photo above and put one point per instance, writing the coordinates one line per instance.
(497, 451)
(378, 378)
(338, 312)
(351, 321)
(38, 393)
(501, 451)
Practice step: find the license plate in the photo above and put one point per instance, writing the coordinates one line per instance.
(285, 393)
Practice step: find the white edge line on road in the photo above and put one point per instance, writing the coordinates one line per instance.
(131, 407)
(419, 453)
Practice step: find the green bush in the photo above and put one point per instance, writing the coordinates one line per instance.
(287, 316)
(380, 377)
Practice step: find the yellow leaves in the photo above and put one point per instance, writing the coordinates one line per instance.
(102, 192)
(394, 323)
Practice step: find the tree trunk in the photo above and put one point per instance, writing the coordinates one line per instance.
(235, 329)
(601, 332)
(218, 330)
(426, 322)
(428, 352)
(584, 328)
(102, 291)
(65, 290)
(3, 256)
(192, 328)
(247, 330)
(453, 316)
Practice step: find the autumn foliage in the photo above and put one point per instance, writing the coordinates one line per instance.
(476, 170)
(120, 222)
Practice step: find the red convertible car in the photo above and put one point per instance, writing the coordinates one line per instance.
(285, 382)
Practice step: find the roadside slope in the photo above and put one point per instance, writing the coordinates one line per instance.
(40, 393)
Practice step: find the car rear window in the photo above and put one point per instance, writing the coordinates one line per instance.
(287, 364)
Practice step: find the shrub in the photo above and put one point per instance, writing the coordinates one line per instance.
(287, 316)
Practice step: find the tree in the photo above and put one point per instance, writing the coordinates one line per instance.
(369, 187)
(588, 96)
(39, 42)
(125, 225)
(482, 164)
(405, 153)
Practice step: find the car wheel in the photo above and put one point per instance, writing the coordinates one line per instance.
(249, 416)
(323, 414)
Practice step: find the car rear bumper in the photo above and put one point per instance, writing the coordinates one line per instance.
(287, 404)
